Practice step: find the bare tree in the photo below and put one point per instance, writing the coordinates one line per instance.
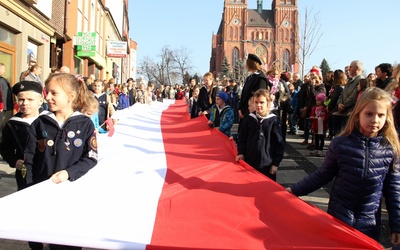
(148, 68)
(310, 35)
(181, 58)
(171, 68)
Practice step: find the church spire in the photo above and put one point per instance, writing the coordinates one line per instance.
(259, 6)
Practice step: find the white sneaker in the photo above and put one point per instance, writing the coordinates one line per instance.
(314, 153)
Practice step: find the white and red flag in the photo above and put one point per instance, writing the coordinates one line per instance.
(164, 181)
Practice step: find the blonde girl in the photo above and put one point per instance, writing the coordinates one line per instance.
(141, 94)
(92, 111)
(62, 143)
(206, 95)
(363, 162)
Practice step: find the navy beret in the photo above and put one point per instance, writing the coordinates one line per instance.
(27, 86)
(255, 58)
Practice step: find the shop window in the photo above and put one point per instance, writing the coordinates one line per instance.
(32, 52)
(7, 36)
(7, 53)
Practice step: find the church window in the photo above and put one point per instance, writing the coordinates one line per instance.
(261, 51)
(260, 36)
(230, 33)
(286, 60)
(235, 56)
(236, 33)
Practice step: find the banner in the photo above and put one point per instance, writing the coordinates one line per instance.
(164, 181)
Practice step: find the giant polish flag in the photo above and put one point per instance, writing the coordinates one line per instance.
(164, 181)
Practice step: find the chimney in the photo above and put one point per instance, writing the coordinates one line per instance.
(259, 6)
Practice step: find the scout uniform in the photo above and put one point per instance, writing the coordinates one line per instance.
(12, 144)
(51, 148)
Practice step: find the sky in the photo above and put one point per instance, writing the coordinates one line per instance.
(351, 30)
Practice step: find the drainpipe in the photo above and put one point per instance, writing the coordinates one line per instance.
(65, 20)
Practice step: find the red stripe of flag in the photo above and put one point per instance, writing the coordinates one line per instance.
(209, 201)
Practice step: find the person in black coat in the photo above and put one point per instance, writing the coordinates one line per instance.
(207, 95)
(255, 81)
(315, 87)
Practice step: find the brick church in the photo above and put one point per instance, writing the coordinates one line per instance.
(273, 35)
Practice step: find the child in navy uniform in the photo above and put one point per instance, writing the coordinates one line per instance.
(62, 143)
(12, 145)
(260, 142)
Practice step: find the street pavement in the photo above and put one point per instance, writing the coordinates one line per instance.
(297, 163)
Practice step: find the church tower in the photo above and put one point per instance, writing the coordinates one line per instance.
(286, 33)
(270, 34)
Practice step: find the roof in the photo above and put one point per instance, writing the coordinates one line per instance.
(266, 19)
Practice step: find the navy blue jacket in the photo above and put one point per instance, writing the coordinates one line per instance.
(12, 144)
(260, 141)
(51, 148)
(363, 170)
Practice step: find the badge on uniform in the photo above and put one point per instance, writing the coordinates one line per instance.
(78, 142)
(50, 143)
(71, 134)
(42, 145)
(93, 142)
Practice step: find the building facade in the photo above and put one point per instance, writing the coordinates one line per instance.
(25, 34)
(270, 34)
(73, 33)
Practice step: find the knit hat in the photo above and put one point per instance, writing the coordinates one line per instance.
(321, 97)
(27, 86)
(223, 96)
(255, 58)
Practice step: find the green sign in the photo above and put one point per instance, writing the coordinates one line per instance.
(86, 41)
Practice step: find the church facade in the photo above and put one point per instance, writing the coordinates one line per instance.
(272, 35)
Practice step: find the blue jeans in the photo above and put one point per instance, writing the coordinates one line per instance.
(292, 119)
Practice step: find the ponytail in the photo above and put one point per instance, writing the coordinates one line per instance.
(82, 98)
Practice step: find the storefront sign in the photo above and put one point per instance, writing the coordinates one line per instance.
(86, 41)
(116, 49)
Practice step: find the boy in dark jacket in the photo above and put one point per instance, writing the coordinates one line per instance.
(15, 133)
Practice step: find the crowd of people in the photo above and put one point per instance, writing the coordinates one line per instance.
(53, 134)
(360, 115)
